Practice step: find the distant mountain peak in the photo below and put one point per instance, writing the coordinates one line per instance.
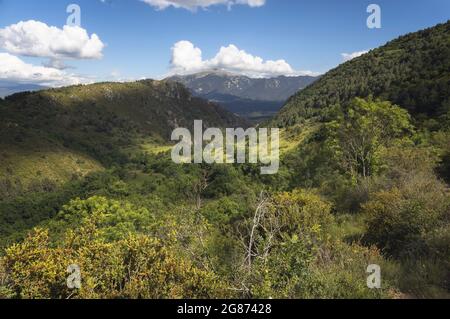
(241, 94)
(8, 88)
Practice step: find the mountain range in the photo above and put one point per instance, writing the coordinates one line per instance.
(8, 88)
(255, 99)
(99, 121)
(252, 98)
(90, 167)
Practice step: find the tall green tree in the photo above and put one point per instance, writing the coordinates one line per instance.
(362, 129)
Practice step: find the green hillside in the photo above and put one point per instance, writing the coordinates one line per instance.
(87, 179)
(57, 134)
(411, 71)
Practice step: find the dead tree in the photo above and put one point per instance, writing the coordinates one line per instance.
(199, 187)
(263, 232)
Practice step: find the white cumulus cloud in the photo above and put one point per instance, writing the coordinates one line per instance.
(14, 69)
(56, 64)
(187, 59)
(350, 56)
(37, 39)
(195, 4)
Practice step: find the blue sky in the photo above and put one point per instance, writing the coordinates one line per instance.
(138, 37)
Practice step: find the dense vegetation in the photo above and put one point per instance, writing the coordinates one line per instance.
(158, 230)
(362, 181)
(411, 71)
(57, 135)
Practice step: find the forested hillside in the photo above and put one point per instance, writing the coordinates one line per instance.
(411, 71)
(255, 99)
(95, 124)
(363, 180)
(52, 138)
(376, 143)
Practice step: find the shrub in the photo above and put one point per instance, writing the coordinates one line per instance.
(137, 266)
(399, 219)
(306, 261)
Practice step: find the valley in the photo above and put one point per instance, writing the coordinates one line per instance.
(251, 98)
(87, 178)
